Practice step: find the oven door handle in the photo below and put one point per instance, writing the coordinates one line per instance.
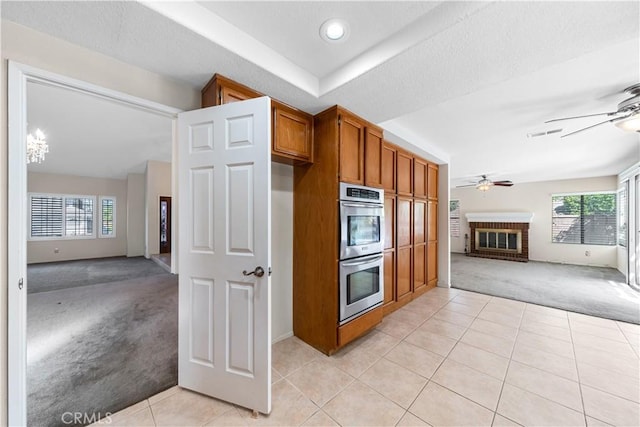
(362, 205)
(365, 261)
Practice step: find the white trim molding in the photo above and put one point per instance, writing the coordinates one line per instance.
(18, 76)
(500, 217)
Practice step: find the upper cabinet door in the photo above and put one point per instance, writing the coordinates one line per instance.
(351, 149)
(292, 133)
(419, 178)
(221, 90)
(404, 173)
(432, 179)
(388, 168)
(373, 157)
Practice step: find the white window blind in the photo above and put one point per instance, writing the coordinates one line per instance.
(584, 219)
(46, 216)
(107, 217)
(454, 217)
(56, 216)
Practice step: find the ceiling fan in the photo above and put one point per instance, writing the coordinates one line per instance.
(485, 183)
(626, 117)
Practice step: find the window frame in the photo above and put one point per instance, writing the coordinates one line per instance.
(114, 220)
(585, 193)
(64, 236)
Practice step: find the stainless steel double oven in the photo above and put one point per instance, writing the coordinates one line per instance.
(361, 245)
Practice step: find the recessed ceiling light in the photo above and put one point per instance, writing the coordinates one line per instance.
(334, 30)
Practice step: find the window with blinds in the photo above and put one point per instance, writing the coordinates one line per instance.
(107, 217)
(588, 219)
(54, 216)
(454, 217)
(46, 216)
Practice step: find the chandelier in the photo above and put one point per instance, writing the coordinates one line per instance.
(36, 147)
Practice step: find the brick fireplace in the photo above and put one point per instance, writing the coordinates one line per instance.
(499, 235)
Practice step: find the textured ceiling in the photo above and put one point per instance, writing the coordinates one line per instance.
(463, 79)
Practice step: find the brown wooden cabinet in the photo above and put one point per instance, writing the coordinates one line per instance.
(404, 249)
(419, 178)
(292, 137)
(419, 244)
(388, 172)
(351, 140)
(404, 178)
(389, 221)
(432, 243)
(403, 274)
(373, 156)
(432, 181)
(389, 277)
(404, 222)
(292, 134)
(348, 148)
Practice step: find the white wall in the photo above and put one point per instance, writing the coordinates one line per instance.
(536, 197)
(157, 183)
(135, 214)
(281, 251)
(61, 250)
(48, 53)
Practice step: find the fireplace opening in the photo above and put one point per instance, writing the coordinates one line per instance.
(499, 235)
(499, 240)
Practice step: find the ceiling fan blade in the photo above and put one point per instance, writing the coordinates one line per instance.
(468, 185)
(616, 119)
(503, 183)
(579, 117)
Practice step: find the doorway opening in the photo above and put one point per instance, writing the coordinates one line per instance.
(102, 224)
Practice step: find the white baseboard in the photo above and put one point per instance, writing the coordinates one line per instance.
(282, 337)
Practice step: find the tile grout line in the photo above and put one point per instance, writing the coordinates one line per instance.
(504, 381)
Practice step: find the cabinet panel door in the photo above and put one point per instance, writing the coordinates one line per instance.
(432, 262)
(389, 277)
(404, 182)
(432, 181)
(373, 158)
(404, 222)
(351, 150)
(389, 221)
(419, 221)
(389, 168)
(292, 132)
(432, 221)
(419, 266)
(419, 178)
(403, 276)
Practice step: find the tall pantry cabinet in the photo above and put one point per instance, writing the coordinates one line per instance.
(349, 149)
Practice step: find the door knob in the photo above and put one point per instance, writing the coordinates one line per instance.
(259, 272)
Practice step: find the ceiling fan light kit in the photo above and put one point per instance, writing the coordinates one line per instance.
(631, 123)
(626, 117)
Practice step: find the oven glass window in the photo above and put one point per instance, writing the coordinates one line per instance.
(363, 229)
(362, 284)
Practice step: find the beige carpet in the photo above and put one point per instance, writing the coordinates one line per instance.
(596, 291)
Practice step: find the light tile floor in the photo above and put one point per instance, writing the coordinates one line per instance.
(450, 357)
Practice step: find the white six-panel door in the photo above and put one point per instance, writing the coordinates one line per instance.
(224, 229)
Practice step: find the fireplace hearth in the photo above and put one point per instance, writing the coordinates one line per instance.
(499, 235)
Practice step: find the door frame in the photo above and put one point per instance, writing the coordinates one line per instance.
(18, 75)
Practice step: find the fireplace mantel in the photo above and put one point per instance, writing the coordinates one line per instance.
(500, 217)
